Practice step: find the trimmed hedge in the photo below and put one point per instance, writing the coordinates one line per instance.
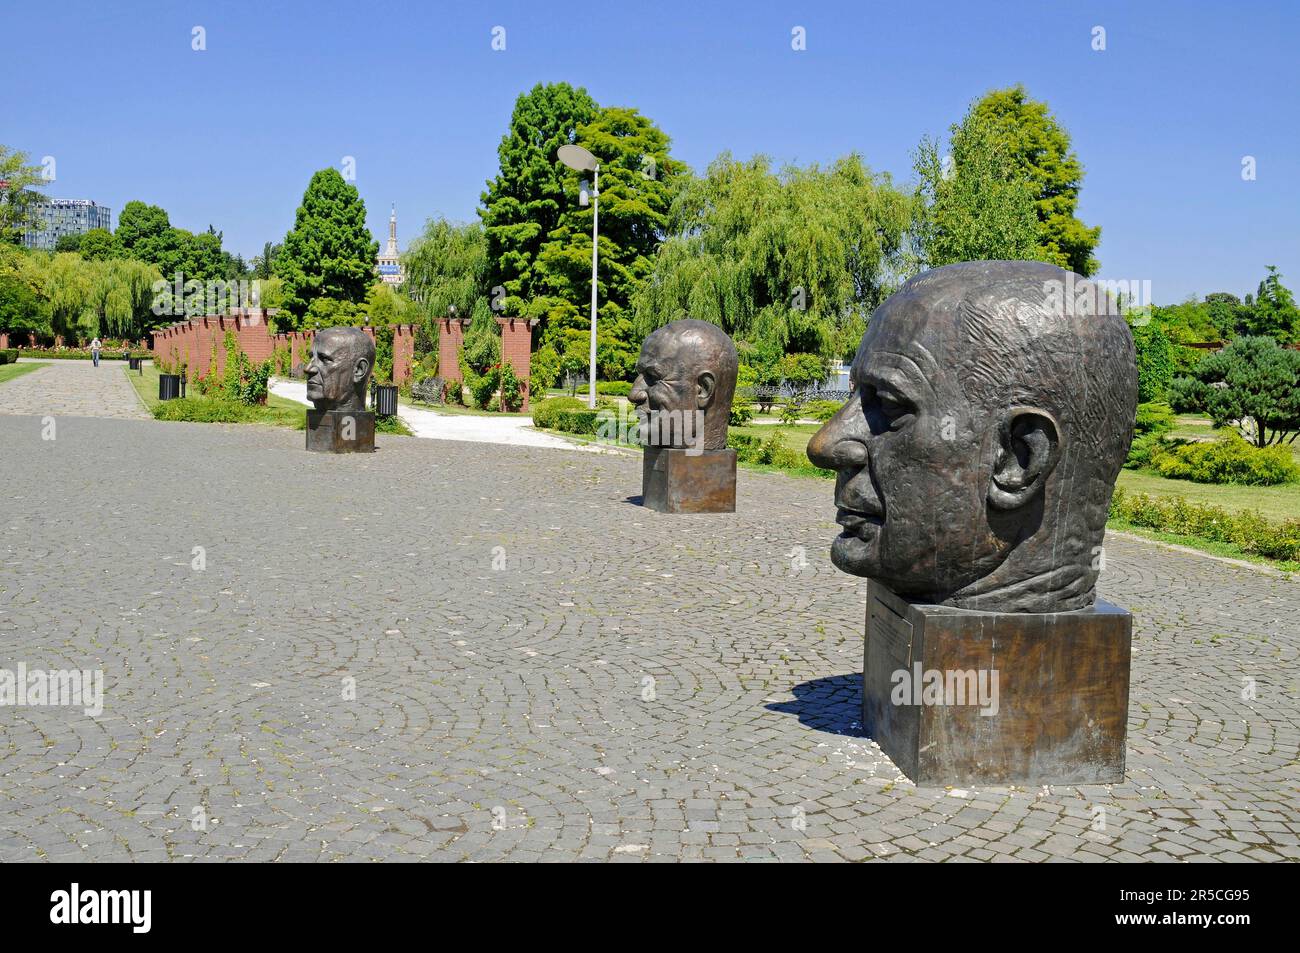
(78, 354)
(9, 356)
(613, 388)
(1249, 531)
(546, 412)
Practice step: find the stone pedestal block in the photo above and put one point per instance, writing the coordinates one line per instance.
(955, 696)
(341, 431)
(679, 481)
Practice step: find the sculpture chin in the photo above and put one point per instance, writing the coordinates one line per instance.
(854, 555)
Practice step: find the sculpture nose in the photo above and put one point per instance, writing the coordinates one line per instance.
(637, 394)
(842, 441)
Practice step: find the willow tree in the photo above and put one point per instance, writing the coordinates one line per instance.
(785, 262)
(447, 267)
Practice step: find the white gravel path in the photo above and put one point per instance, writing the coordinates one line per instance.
(515, 431)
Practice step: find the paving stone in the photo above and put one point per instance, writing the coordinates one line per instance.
(348, 678)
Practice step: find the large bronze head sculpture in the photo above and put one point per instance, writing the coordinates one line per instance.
(340, 365)
(992, 408)
(685, 382)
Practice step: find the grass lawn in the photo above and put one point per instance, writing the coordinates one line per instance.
(794, 436)
(1274, 502)
(278, 412)
(9, 371)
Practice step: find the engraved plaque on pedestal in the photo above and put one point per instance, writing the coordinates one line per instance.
(956, 696)
(682, 481)
(341, 431)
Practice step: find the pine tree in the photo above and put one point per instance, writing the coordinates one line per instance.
(329, 252)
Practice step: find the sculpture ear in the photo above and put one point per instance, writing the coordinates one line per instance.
(1029, 446)
(705, 385)
(361, 371)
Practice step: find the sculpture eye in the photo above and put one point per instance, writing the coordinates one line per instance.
(885, 408)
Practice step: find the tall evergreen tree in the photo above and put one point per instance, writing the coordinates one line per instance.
(524, 202)
(329, 252)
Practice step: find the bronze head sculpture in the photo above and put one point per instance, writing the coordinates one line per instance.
(340, 365)
(685, 383)
(992, 408)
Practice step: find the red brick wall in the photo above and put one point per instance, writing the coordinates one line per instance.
(198, 340)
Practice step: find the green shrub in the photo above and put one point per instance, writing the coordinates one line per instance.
(9, 356)
(545, 411)
(1153, 418)
(822, 410)
(543, 369)
(583, 421)
(1227, 460)
(742, 412)
(483, 386)
(791, 412)
(455, 393)
(208, 410)
(614, 388)
(1153, 421)
(1249, 531)
(512, 393)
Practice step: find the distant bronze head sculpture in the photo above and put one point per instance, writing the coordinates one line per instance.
(685, 383)
(340, 365)
(992, 408)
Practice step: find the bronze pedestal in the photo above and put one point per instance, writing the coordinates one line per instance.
(955, 696)
(341, 431)
(680, 481)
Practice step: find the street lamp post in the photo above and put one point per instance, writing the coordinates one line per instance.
(580, 160)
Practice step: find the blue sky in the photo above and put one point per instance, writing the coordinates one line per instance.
(230, 135)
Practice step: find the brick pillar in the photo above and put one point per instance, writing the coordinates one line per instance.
(517, 348)
(4, 340)
(451, 335)
(403, 352)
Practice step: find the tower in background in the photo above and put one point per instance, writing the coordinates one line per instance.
(390, 262)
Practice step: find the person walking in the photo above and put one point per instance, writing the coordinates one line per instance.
(94, 351)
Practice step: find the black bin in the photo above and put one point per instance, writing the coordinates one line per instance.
(386, 400)
(169, 386)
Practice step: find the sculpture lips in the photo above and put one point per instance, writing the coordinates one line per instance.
(856, 522)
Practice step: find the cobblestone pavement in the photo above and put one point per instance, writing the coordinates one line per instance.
(623, 685)
(73, 389)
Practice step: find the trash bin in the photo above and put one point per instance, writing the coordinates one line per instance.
(385, 402)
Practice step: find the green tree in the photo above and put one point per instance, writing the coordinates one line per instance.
(1274, 312)
(145, 233)
(263, 265)
(446, 267)
(638, 179)
(99, 244)
(21, 308)
(524, 203)
(1155, 363)
(329, 252)
(1253, 384)
(783, 262)
(71, 243)
(975, 204)
(1041, 149)
(18, 195)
